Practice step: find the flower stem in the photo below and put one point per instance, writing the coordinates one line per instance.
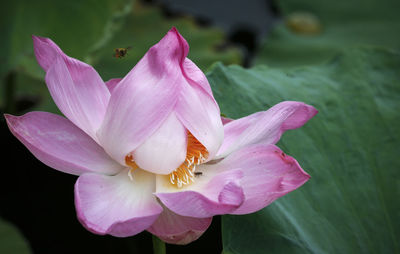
(158, 246)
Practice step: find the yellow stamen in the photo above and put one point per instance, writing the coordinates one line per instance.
(131, 163)
(195, 155)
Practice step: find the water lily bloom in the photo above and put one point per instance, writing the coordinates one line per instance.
(151, 151)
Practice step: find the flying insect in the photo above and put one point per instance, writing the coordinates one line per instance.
(121, 52)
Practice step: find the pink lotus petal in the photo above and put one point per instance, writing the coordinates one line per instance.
(112, 84)
(59, 144)
(265, 127)
(46, 51)
(144, 99)
(176, 229)
(116, 205)
(200, 115)
(165, 150)
(268, 174)
(197, 108)
(76, 87)
(213, 193)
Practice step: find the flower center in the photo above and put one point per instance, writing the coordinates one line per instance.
(195, 155)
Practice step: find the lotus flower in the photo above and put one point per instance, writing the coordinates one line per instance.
(151, 151)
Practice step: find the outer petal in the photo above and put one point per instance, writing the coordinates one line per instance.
(112, 84)
(116, 205)
(268, 174)
(144, 99)
(213, 193)
(165, 150)
(76, 87)
(265, 127)
(46, 51)
(58, 143)
(198, 110)
(176, 229)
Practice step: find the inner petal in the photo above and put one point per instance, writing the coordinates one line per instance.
(195, 155)
(165, 149)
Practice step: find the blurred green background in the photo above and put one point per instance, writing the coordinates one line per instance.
(341, 57)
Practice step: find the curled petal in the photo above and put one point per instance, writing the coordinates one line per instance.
(165, 150)
(211, 194)
(268, 174)
(59, 144)
(176, 229)
(265, 127)
(144, 99)
(76, 87)
(116, 205)
(197, 108)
